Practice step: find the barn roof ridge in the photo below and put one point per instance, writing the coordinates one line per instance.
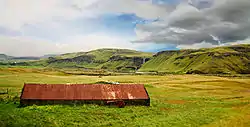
(76, 91)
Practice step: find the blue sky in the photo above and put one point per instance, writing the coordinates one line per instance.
(28, 28)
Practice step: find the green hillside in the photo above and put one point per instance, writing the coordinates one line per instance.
(108, 59)
(220, 60)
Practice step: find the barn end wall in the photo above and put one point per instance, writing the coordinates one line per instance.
(27, 102)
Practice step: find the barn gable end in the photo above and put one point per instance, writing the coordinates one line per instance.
(41, 94)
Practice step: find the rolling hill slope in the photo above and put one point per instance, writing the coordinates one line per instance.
(221, 60)
(109, 59)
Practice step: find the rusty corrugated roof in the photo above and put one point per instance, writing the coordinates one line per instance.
(83, 92)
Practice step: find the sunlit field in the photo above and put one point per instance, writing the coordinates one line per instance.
(176, 100)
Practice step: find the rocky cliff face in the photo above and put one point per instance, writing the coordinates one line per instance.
(77, 60)
(117, 60)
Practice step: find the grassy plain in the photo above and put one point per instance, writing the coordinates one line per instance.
(176, 101)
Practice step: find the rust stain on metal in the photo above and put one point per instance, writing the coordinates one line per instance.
(83, 92)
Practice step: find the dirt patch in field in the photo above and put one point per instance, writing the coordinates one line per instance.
(176, 101)
(240, 107)
(166, 109)
(229, 98)
(244, 91)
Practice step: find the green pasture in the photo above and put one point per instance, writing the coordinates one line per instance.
(176, 101)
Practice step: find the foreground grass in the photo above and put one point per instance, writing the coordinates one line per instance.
(176, 100)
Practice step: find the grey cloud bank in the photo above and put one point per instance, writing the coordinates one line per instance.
(199, 21)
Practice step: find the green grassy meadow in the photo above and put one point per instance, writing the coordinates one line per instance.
(176, 101)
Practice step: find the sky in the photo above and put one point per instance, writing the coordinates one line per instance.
(41, 27)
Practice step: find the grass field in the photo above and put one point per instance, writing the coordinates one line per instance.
(176, 100)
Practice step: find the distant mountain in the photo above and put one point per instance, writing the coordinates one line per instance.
(3, 57)
(25, 58)
(220, 60)
(49, 55)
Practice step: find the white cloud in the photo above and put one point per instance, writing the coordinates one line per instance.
(247, 41)
(209, 45)
(197, 46)
(16, 13)
(20, 46)
(95, 41)
(142, 8)
(27, 46)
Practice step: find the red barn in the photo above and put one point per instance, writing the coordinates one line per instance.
(102, 94)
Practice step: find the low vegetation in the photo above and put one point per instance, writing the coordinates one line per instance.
(176, 100)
